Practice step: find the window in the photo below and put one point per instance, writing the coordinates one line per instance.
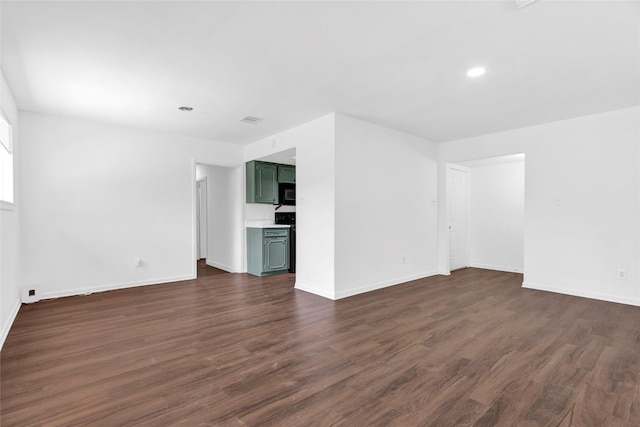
(6, 162)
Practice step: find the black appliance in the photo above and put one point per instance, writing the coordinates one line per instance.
(289, 218)
(287, 194)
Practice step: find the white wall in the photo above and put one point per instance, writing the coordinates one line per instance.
(386, 214)
(224, 216)
(315, 199)
(98, 196)
(10, 226)
(263, 213)
(582, 192)
(348, 173)
(95, 197)
(496, 216)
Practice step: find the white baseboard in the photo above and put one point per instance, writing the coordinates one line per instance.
(227, 268)
(112, 287)
(507, 269)
(313, 290)
(7, 326)
(384, 284)
(583, 294)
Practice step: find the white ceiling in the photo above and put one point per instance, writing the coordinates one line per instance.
(398, 64)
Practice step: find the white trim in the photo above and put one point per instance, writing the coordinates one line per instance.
(7, 206)
(194, 218)
(199, 183)
(366, 288)
(314, 290)
(227, 268)
(113, 286)
(7, 326)
(243, 211)
(496, 267)
(460, 168)
(384, 284)
(583, 294)
(6, 133)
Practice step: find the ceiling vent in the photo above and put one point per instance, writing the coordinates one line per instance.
(523, 3)
(252, 120)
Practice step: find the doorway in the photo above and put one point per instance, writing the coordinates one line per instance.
(485, 213)
(217, 217)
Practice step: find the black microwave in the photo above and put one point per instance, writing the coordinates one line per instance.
(287, 194)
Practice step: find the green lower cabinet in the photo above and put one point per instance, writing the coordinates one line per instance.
(267, 251)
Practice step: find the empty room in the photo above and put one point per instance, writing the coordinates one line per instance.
(320, 213)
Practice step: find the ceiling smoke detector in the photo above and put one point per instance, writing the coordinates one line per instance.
(523, 3)
(252, 120)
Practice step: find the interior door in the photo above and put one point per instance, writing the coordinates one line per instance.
(201, 217)
(457, 214)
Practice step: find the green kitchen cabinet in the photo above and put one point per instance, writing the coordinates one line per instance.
(267, 251)
(262, 182)
(287, 174)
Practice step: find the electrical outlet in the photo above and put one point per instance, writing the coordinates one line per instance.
(404, 260)
(29, 295)
(622, 274)
(138, 262)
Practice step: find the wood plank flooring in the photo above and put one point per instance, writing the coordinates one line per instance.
(237, 350)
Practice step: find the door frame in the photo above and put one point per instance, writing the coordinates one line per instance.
(238, 248)
(202, 211)
(453, 166)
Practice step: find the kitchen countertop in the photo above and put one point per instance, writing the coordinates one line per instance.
(268, 226)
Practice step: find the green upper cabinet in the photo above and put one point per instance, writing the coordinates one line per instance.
(287, 174)
(263, 179)
(262, 182)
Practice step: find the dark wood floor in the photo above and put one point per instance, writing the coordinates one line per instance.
(234, 350)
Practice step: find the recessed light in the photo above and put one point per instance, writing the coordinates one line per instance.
(475, 72)
(183, 108)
